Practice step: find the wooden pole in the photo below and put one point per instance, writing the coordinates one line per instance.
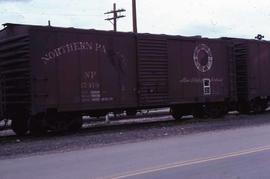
(134, 15)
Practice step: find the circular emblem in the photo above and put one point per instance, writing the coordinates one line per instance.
(203, 58)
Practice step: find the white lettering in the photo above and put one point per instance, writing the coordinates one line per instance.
(73, 47)
(199, 80)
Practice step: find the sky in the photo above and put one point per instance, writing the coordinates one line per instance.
(208, 18)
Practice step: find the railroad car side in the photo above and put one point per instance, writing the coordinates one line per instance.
(86, 70)
(82, 72)
(252, 64)
(15, 76)
(52, 76)
(199, 76)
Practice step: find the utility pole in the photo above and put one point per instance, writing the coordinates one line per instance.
(115, 16)
(134, 15)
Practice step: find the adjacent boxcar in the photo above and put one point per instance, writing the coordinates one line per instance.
(252, 64)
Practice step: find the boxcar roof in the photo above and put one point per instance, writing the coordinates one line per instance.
(72, 29)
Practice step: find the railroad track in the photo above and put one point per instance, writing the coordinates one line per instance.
(101, 133)
(118, 123)
(97, 124)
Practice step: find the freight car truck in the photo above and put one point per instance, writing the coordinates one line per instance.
(52, 76)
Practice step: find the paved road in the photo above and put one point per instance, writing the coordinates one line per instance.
(253, 164)
(235, 153)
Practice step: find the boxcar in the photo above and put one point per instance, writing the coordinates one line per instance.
(252, 64)
(54, 74)
(51, 76)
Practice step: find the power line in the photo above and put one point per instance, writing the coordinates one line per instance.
(116, 15)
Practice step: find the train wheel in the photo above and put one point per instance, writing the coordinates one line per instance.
(37, 125)
(20, 126)
(258, 108)
(61, 124)
(199, 112)
(76, 124)
(258, 105)
(244, 108)
(131, 112)
(215, 110)
(176, 113)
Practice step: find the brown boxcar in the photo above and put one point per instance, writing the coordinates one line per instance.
(52, 76)
(252, 62)
(49, 71)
